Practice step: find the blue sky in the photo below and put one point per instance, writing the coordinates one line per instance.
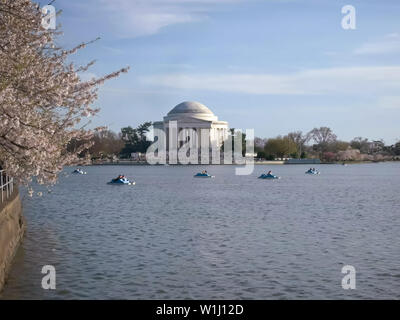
(272, 65)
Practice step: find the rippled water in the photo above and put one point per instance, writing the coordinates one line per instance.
(233, 237)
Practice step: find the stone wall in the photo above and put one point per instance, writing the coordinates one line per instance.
(12, 227)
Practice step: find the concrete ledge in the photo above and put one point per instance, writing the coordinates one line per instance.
(9, 199)
(12, 228)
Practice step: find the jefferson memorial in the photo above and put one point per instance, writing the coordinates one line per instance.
(196, 116)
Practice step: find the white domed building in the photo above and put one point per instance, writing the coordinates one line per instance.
(194, 115)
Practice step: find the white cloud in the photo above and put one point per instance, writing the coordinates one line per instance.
(389, 44)
(354, 80)
(133, 18)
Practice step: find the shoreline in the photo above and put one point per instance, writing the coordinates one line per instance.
(12, 231)
(145, 163)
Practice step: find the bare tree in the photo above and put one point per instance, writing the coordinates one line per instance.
(361, 144)
(323, 135)
(259, 143)
(300, 140)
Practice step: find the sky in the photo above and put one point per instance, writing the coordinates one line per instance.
(274, 66)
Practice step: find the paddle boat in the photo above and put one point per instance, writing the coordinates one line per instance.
(203, 175)
(121, 182)
(78, 171)
(313, 172)
(268, 176)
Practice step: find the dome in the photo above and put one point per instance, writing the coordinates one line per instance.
(190, 107)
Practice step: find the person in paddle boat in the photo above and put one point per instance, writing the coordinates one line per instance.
(120, 177)
(203, 173)
(269, 173)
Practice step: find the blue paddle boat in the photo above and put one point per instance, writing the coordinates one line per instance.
(78, 171)
(268, 176)
(203, 175)
(121, 182)
(313, 172)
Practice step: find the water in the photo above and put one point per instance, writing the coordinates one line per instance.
(233, 237)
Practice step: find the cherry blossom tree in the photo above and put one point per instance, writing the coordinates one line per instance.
(43, 100)
(349, 154)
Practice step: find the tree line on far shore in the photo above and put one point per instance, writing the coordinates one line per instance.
(323, 144)
(107, 144)
(319, 143)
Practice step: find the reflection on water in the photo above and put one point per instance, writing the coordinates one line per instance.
(233, 237)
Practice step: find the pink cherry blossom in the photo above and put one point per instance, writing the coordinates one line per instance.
(43, 101)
